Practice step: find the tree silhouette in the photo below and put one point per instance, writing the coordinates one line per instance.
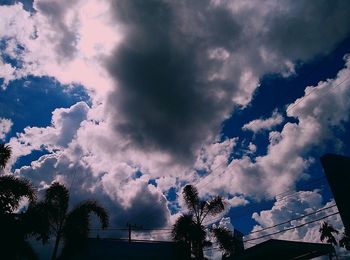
(12, 190)
(5, 154)
(345, 242)
(70, 226)
(326, 233)
(227, 242)
(76, 229)
(189, 228)
(13, 231)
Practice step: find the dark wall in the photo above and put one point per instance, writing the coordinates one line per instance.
(337, 170)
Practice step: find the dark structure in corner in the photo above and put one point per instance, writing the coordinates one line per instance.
(337, 170)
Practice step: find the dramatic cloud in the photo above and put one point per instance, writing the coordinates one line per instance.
(183, 66)
(264, 124)
(5, 127)
(163, 76)
(322, 109)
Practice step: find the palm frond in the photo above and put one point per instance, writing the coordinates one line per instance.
(214, 206)
(326, 232)
(227, 242)
(5, 154)
(36, 221)
(76, 228)
(57, 195)
(190, 194)
(79, 219)
(183, 228)
(12, 190)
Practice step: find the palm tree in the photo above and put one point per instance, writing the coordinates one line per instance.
(188, 234)
(345, 242)
(226, 240)
(189, 229)
(76, 229)
(326, 230)
(13, 231)
(72, 227)
(12, 190)
(5, 154)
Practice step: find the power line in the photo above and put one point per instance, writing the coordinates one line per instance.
(287, 229)
(291, 193)
(286, 195)
(290, 220)
(284, 230)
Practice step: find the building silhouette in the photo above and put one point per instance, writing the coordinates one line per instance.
(337, 170)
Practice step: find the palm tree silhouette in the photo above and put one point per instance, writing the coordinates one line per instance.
(189, 228)
(326, 233)
(5, 154)
(12, 190)
(13, 231)
(70, 226)
(345, 242)
(226, 240)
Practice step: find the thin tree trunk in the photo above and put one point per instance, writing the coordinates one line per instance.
(55, 249)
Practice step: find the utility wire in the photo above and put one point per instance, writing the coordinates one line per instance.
(246, 210)
(251, 205)
(278, 232)
(287, 229)
(288, 221)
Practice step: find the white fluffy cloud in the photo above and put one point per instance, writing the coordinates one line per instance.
(322, 108)
(294, 207)
(64, 125)
(65, 41)
(5, 127)
(258, 125)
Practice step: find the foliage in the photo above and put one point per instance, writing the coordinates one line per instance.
(189, 228)
(12, 190)
(227, 242)
(345, 242)
(14, 230)
(326, 230)
(71, 227)
(5, 154)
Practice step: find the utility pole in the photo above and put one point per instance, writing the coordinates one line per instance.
(132, 227)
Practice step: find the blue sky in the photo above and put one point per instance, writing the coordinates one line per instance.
(137, 103)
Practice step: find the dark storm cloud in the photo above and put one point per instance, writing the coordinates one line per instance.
(308, 27)
(171, 96)
(163, 97)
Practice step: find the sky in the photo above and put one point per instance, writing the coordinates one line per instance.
(127, 102)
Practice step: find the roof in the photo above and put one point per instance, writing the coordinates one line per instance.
(284, 249)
